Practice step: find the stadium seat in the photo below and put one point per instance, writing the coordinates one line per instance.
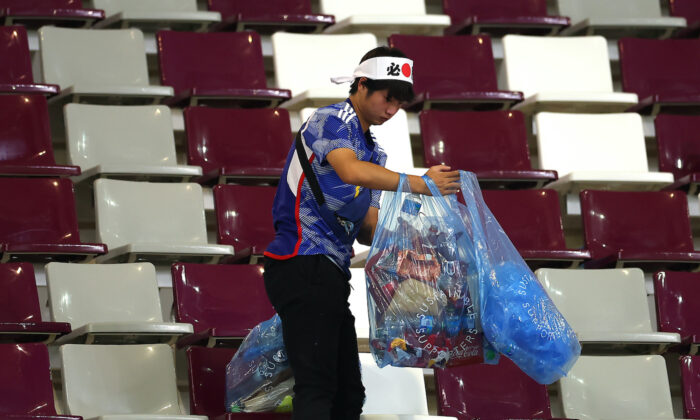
(561, 74)
(109, 304)
(624, 229)
(641, 18)
(25, 383)
(690, 372)
(607, 309)
(20, 316)
(492, 144)
(222, 302)
(25, 139)
(490, 391)
(269, 16)
(383, 18)
(690, 11)
(38, 222)
(358, 306)
(16, 74)
(37, 13)
(617, 387)
(157, 222)
(173, 14)
(135, 142)
(596, 151)
(501, 17)
(109, 381)
(678, 145)
(244, 218)
(251, 155)
(98, 66)
(532, 221)
(215, 68)
(677, 295)
(313, 87)
(454, 72)
(394, 391)
(658, 72)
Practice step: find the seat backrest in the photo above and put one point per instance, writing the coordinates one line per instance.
(133, 135)
(358, 302)
(147, 212)
(25, 380)
(211, 60)
(392, 390)
(678, 142)
(459, 10)
(244, 216)
(688, 9)
(690, 385)
(394, 138)
(115, 57)
(629, 220)
(229, 8)
(211, 145)
(207, 379)
(116, 6)
(677, 296)
(617, 387)
(19, 299)
(475, 141)
(651, 66)
(220, 296)
(341, 54)
(85, 293)
(38, 210)
(591, 142)
(17, 63)
(342, 9)
(613, 300)
(530, 218)
(449, 63)
(119, 379)
(25, 135)
(493, 391)
(21, 5)
(534, 64)
(579, 10)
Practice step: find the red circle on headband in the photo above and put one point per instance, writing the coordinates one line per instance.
(406, 70)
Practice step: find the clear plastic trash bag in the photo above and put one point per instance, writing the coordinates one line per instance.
(517, 316)
(258, 377)
(421, 284)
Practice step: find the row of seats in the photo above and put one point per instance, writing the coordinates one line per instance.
(538, 74)
(582, 151)
(217, 305)
(39, 222)
(465, 16)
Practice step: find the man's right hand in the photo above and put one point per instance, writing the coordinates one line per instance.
(447, 181)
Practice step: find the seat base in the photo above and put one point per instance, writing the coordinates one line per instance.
(242, 98)
(184, 21)
(316, 98)
(34, 19)
(465, 101)
(50, 252)
(29, 89)
(39, 170)
(126, 333)
(577, 102)
(520, 25)
(661, 27)
(684, 103)
(387, 25)
(576, 182)
(270, 23)
(179, 173)
(167, 253)
(30, 332)
(112, 95)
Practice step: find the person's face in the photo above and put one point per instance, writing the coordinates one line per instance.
(377, 109)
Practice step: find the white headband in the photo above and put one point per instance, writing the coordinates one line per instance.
(381, 68)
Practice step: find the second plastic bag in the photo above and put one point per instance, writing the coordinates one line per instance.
(422, 284)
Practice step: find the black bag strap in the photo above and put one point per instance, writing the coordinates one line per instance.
(306, 167)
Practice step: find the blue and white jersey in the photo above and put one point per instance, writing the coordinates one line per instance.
(299, 227)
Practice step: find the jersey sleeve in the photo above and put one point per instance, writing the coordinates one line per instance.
(377, 194)
(326, 132)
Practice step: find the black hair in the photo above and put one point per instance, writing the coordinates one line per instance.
(398, 89)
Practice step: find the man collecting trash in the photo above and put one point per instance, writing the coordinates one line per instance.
(328, 196)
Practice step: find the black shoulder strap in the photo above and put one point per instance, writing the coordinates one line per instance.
(306, 167)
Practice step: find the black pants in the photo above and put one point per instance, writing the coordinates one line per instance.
(310, 294)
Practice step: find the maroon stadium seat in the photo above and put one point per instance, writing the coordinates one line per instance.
(690, 10)
(37, 13)
(224, 67)
(678, 141)
(492, 144)
(690, 385)
(16, 70)
(501, 17)
(256, 150)
(268, 16)
(677, 296)
(456, 71)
